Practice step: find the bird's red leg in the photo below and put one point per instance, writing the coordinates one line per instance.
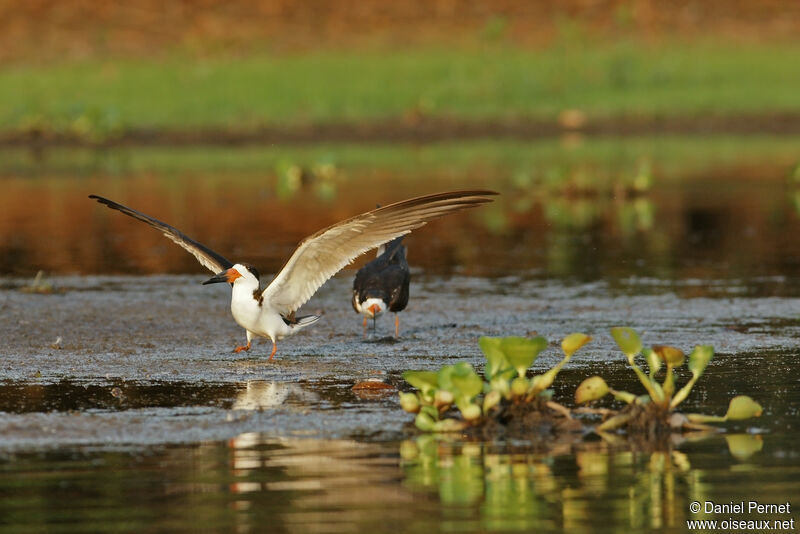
(365, 326)
(274, 350)
(396, 325)
(243, 347)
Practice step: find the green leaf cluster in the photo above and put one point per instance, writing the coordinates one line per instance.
(662, 393)
(507, 362)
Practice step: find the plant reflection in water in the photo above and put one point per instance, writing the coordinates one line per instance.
(517, 490)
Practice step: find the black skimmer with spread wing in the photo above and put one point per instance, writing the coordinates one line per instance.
(382, 284)
(270, 312)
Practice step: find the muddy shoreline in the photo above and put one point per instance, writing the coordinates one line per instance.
(147, 359)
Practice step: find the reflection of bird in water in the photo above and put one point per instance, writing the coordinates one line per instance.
(270, 312)
(260, 394)
(382, 284)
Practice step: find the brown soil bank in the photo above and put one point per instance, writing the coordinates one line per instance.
(81, 28)
(423, 129)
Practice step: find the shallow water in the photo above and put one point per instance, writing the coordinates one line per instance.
(143, 403)
(122, 407)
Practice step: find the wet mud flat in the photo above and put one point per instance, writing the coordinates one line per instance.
(126, 360)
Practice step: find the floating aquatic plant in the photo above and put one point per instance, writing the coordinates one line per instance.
(655, 412)
(456, 397)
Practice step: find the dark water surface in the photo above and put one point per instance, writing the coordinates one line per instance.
(122, 407)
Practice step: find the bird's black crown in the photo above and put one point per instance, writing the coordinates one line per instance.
(252, 270)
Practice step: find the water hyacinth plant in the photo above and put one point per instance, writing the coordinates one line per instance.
(655, 411)
(457, 389)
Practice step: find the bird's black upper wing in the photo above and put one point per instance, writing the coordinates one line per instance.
(207, 257)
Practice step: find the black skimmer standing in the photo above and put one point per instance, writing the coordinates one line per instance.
(270, 312)
(382, 284)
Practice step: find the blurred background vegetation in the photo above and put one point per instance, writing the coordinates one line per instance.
(96, 70)
(627, 137)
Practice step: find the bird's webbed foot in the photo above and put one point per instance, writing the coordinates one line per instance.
(243, 347)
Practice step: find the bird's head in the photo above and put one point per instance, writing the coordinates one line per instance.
(238, 274)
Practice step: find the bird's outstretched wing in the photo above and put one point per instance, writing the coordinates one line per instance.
(207, 257)
(323, 254)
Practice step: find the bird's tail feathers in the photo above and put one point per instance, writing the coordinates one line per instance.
(306, 320)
